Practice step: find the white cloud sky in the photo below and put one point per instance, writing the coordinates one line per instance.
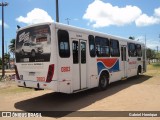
(157, 12)
(101, 14)
(145, 20)
(5, 25)
(35, 16)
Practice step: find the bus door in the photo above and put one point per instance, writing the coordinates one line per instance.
(79, 64)
(124, 60)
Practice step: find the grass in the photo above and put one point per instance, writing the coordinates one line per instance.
(153, 66)
(157, 65)
(153, 69)
(14, 90)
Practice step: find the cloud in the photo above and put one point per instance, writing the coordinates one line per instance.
(102, 14)
(157, 12)
(5, 24)
(35, 16)
(145, 20)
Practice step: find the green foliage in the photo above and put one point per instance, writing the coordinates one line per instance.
(151, 54)
(156, 65)
(12, 46)
(158, 55)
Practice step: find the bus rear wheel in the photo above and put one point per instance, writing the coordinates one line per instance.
(103, 81)
(138, 71)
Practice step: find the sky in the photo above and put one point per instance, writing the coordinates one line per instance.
(124, 18)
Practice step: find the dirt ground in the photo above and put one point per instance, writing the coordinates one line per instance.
(134, 94)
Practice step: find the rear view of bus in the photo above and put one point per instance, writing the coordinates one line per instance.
(34, 68)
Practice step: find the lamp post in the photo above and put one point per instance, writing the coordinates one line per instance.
(3, 4)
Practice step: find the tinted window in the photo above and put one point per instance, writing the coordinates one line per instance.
(63, 43)
(139, 50)
(75, 51)
(114, 48)
(91, 46)
(102, 47)
(132, 50)
(83, 52)
(123, 54)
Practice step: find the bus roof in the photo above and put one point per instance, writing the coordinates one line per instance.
(81, 30)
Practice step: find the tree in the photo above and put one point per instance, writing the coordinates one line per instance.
(132, 37)
(151, 54)
(158, 55)
(12, 46)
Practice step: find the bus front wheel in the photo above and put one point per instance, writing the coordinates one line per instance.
(138, 71)
(103, 81)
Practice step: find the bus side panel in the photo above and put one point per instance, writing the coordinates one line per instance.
(64, 70)
(92, 71)
(115, 75)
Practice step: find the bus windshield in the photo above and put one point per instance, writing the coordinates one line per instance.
(33, 44)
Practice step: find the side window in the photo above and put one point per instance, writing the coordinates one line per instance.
(92, 46)
(139, 50)
(132, 50)
(83, 52)
(114, 48)
(63, 44)
(75, 52)
(102, 47)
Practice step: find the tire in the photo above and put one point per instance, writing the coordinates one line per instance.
(103, 81)
(33, 53)
(138, 72)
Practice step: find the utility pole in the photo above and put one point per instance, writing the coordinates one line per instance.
(68, 20)
(145, 54)
(3, 4)
(157, 49)
(57, 11)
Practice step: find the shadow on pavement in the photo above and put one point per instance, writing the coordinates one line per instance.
(59, 105)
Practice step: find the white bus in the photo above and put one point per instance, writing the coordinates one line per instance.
(68, 59)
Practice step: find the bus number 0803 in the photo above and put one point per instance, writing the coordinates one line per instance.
(65, 69)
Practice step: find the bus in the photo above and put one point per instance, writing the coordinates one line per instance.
(69, 59)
